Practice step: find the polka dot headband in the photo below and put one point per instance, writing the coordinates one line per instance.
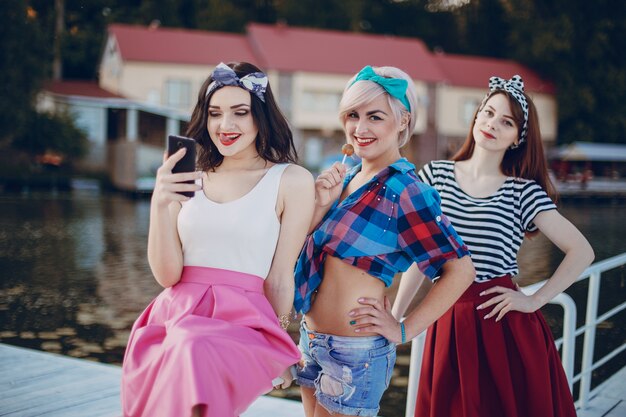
(514, 86)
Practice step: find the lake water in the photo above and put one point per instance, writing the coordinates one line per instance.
(74, 276)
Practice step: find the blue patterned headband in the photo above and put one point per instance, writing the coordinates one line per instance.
(514, 86)
(395, 87)
(223, 75)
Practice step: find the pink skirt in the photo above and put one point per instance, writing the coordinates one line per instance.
(213, 339)
(474, 367)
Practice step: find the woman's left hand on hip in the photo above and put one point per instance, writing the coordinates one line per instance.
(507, 300)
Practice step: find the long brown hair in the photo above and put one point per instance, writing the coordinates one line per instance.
(274, 141)
(527, 160)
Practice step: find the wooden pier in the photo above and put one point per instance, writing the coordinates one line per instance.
(34, 383)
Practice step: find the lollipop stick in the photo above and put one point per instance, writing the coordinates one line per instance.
(343, 161)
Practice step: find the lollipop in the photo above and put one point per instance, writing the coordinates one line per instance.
(346, 150)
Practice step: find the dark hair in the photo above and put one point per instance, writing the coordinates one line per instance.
(525, 161)
(274, 141)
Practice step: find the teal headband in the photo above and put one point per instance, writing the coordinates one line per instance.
(395, 87)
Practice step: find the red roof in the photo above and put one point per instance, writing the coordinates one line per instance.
(181, 46)
(474, 71)
(290, 49)
(79, 88)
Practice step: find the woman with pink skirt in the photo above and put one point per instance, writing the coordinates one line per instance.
(215, 338)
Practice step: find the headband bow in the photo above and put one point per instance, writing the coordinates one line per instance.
(514, 86)
(255, 82)
(395, 87)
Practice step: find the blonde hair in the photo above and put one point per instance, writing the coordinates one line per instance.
(363, 92)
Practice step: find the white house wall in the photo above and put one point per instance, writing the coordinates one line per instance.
(111, 66)
(315, 102)
(547, 111)
(91, 120)
(146, 82)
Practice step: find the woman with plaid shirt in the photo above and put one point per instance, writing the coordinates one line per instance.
(369, 224)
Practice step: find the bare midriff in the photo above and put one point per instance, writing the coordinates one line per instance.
(341, 287)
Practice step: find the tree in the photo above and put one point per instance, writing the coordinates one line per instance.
(579, 46)
(51, 133)
(23, 67)
(234, 15)
(484, 28)
(326, 14)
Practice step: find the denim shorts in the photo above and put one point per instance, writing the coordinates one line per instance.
(349, 374)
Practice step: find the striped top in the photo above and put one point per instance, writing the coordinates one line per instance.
(492, 227)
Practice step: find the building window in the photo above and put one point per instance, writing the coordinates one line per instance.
(467, 110)
(177, 93)
(323, 101)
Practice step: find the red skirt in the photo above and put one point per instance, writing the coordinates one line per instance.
(474, 367)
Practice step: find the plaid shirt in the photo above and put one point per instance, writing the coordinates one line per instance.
(381, 228)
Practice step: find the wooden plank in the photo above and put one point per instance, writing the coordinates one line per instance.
(60, 394)
(598, 407)
(100, 408)
(615, 387)
(618, 411)
(275, 407)
(41, 384)
(62, 403)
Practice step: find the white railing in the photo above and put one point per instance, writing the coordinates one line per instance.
(568, 340)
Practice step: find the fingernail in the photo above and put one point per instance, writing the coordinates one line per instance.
(357, 330)
(360, 300)
(351, 313)
(486, 317)
(479, 307)
(482, 293)
(352, 321)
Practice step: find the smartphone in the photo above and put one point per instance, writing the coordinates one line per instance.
(188, 163)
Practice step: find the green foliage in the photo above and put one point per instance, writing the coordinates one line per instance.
(233, 16)
(484, 28)
(22, 66)
(579, 45)
(412, 19)
(327, 14)
(53, 133)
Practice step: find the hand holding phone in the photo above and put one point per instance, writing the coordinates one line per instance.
(188, 162)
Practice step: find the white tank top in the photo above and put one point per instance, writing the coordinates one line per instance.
(240, 235)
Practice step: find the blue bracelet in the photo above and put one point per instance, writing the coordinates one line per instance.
(403, 332)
